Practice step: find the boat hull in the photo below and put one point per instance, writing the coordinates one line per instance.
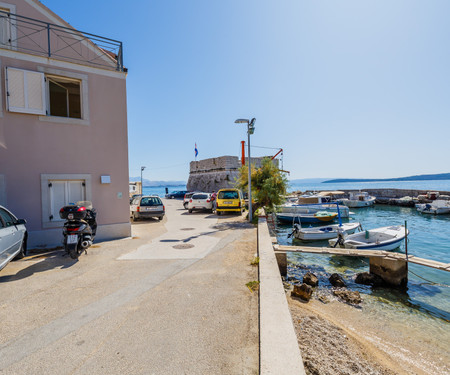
(324, 233)
(312, 208)
(385, 238)
(303, 218)
(358, 204)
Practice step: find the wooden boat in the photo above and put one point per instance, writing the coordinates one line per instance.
(325, 216)
(359, 199)
(385, 238)
(315, 217)
(324, 232)
(311, 208)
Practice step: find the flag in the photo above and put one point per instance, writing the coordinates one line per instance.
(195, 150)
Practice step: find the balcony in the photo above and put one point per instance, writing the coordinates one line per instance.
(35, 37)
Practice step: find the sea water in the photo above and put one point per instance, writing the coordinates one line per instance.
(423, 308)
(160, 191)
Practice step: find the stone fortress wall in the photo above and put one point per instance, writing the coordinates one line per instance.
(216, 173)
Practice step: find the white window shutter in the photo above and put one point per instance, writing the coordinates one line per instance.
(25, 91)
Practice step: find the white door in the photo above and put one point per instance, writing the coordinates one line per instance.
(63, 193)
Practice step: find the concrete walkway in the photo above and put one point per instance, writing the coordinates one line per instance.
(172, 300)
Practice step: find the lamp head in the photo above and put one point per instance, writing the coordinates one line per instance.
(242, 121)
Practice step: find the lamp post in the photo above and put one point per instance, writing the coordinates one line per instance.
(250, 130)
(142, 188)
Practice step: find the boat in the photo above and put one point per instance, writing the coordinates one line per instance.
(308, 208)
(324, 232)
(437, 207)
(359, 199)
(384, 238)
(315, 217)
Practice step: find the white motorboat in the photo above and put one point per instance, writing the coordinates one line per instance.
(294, 208)
(437, 207)
(325, 232)
(359, 199)
(385, 238)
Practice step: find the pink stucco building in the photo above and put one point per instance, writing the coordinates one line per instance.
(63, 123)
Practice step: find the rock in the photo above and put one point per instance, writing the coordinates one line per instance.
(303, 292)
(323, 298)
(337, 281)
(348, 296)
(367, 278)
(310, 279)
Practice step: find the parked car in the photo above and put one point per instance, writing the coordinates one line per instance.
(134, 196)
(200, 201)
(229, 200)
(187, 197)
(176, 194)
(147, 206)
(13, 237)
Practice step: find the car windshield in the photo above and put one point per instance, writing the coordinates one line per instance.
(200, 196)
(151, 201)
(228, 195)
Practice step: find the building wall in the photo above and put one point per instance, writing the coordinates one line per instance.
(33, 145)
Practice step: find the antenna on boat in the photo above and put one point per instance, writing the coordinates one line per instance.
(339, 214)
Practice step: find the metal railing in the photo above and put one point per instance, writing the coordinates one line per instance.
(28, 35)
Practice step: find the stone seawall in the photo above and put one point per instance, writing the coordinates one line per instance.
(395, 193)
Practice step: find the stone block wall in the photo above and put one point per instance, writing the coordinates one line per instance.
(216, 173)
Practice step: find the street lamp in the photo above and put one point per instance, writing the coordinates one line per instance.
(142, 188)
(250, 130)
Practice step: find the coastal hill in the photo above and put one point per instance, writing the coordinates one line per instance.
(422, 177)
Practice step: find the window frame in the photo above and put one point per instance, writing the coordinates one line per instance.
(54, 78)
(12, 28)
(84, 97)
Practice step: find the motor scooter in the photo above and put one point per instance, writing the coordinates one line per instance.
(80, 227)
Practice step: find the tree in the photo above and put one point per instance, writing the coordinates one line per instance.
(269, 184)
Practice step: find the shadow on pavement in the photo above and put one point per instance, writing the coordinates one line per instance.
(56, 259)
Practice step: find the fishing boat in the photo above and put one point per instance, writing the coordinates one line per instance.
(303, 208)
(437, 207)
(359, 199)
(315, 217)
(385, 238)
(324, 232)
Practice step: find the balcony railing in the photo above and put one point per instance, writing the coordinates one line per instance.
(35, 37)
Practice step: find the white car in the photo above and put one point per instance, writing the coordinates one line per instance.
(13, 237)
(200, 201)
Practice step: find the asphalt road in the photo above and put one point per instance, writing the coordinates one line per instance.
(171, 300)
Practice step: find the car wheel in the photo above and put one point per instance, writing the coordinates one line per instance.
(218, 213)
(185, 205)
(22, 251)
(172, 197)
(160, 218)
(190, 211)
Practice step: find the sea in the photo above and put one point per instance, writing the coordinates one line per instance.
(427, 296)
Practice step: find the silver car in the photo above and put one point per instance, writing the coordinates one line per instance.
(147, 206)
(13, 237)
(200, 201)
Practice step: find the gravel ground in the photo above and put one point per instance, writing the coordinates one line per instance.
(327, 349)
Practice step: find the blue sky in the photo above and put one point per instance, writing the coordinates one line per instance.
(346, 88)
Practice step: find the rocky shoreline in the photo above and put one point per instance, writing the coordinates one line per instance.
(343, 338)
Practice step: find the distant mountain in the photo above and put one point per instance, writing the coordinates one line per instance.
(308, 180)
(421, 177)
(149, 183)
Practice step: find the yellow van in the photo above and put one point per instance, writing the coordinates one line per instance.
(229, 200)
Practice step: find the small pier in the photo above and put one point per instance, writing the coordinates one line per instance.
(391, 267)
